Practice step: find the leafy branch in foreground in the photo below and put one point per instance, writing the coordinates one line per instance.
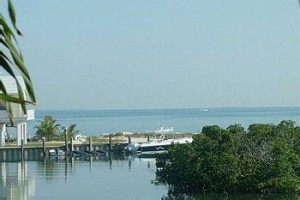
(12, 62)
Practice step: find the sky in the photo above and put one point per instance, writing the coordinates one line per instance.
(144, 54)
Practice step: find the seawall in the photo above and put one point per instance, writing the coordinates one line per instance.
(34, 153)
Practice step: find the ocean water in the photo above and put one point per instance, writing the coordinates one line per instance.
(90, 122)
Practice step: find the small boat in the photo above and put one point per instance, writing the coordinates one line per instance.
(204, 109)
(56, 152)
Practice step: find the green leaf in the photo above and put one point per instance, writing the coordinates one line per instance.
(10, 99)
(21, 66)
(13, 63)
(12, 15)
(7, 67)
(10, 113)
(6, 28)
(4, 62)
(2, 87)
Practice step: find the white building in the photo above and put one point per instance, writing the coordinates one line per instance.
(20, 119)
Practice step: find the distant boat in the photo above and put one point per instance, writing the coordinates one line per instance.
(204, 109)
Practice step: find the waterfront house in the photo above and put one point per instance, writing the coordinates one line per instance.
(20, 118)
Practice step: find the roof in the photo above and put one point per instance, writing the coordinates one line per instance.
(11, 84)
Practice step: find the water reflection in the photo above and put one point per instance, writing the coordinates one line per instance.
(56, 178)
(15, 182)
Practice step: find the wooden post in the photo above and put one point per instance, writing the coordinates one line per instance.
(90, 144)
(44, 147)
(66, 169)
(66, 141)
(72, 145)
(22, 149)
(148, 138)
(129, 140)
(110, 143)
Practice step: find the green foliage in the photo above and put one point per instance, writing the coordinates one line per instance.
(48, 128)
(12, 62)
(71, 131)
(265, 159)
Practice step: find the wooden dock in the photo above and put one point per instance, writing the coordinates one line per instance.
(38, 152)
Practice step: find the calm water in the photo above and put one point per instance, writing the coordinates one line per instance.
(93, 178)
(183, 120)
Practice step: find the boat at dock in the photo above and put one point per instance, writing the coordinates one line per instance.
(56, 152)
(161, 146)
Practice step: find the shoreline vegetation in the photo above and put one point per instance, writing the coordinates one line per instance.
(264, 159)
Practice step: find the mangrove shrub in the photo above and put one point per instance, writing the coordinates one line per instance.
(263, 159)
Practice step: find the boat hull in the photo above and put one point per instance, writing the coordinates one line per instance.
(153, 149)
(160, 147)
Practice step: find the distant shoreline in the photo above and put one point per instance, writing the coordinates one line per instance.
(162, 109)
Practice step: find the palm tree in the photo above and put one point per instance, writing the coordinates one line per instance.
(48, 128)
(11, 61)
(71, 131)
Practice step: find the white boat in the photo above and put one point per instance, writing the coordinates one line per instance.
(204, 109)
(131, 147)
(56, 152)
(155, 147)
(161, 144)
(163, 129)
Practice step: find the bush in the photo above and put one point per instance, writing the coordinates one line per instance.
(265, 159)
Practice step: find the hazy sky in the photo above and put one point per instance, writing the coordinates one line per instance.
(118, 54)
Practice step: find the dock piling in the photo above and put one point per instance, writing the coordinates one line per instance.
(129, 140)
(110, 143)
(90, 144)
(72, 145)
(22, 149)
(66, 140)
(44, 146)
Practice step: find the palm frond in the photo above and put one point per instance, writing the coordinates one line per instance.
(11, 60)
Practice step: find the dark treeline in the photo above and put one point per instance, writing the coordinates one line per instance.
(263, 159)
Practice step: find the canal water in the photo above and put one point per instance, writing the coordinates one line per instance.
(112, 177)
(107, 177)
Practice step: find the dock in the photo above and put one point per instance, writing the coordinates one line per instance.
(37, 151)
